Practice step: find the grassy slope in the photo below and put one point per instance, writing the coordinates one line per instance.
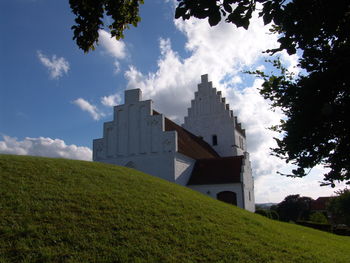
(55, 210)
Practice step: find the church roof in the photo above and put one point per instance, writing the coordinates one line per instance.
(217, 171)
(187, 143)
(320, 203)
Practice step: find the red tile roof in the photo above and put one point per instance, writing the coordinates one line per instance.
(189, 144)
(320, 203)
(217, 171)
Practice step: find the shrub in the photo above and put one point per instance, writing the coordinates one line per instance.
(318, 217)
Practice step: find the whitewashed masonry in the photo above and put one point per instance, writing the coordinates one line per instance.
(140, 138)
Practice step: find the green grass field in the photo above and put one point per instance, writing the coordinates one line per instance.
(56, 210)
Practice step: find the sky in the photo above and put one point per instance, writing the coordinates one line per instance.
(54, 98)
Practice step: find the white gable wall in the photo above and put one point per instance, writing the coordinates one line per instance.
(210, 116)
(136, 138)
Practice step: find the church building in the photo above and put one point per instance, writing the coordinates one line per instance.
(207, 154)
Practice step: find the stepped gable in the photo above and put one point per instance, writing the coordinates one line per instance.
(188, 143)
(200, 106)
(217, 171)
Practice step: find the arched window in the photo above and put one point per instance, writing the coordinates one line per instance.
(227, 197)
(215, 139)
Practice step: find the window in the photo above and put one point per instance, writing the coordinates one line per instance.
(241, 143)
(250, 199)
(215, 140)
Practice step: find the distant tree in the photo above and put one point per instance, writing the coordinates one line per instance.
(340, 207)
(316, 102)
(90, 14)
(262, 212)
(274, 215)
(294, 208)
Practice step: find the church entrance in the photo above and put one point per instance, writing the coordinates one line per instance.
(227, 197)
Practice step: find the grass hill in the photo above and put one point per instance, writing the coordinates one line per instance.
(56, 210)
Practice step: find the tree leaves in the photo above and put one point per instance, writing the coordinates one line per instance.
(89, 19)
(214, 16)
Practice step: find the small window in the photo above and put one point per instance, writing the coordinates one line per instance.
(249, 197)
(215, 140)
(241, 145)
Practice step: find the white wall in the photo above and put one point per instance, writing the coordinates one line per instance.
(183, 168)
(248, 184)
(213, 189)
(135, 135)
(159, 165)
(210, 115)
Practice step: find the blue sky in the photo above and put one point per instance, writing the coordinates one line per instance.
(34, 104)
(54, 98)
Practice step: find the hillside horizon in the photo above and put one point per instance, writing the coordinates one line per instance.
(59, 210)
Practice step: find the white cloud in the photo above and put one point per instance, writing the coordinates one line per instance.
(57, 66)
(116, 67)
(44, 147)
(274, 187)
(88, 107)
(111, 100)
(113, 47)
(261, 68)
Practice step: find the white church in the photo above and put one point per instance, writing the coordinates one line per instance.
(207, 154)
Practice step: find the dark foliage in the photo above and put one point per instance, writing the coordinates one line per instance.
(274, 215)
(262, 212)
(320, 226)
(268, 213)
(340, 208)
(294, 208)
(316, 103)
(319, 217)
(90, 14)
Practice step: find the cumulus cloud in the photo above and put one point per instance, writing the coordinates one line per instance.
(84, 105)
(44, 147)
(113, 47)
(57, 66)
(274, 188)
(111, 100)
